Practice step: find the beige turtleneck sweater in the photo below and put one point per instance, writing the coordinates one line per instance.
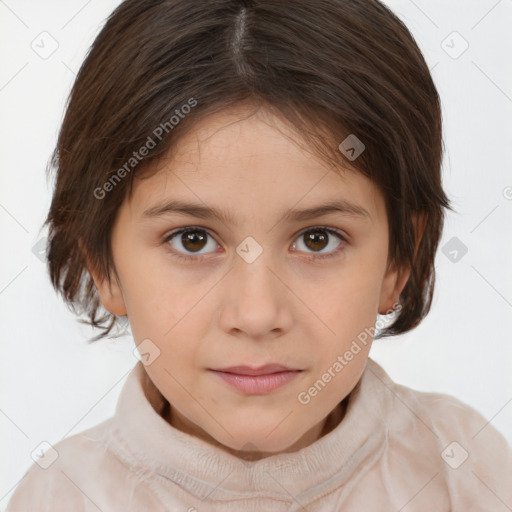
(396, 449)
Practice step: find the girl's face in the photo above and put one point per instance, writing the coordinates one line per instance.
(260, 279)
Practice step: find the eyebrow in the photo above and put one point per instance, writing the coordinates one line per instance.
(174, 206)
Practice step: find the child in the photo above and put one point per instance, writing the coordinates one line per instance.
(298, 144)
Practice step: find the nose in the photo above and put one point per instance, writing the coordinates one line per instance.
(256, 302)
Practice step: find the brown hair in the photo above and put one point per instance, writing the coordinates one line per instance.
(330, 68)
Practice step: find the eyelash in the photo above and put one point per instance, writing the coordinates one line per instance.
(201, 257)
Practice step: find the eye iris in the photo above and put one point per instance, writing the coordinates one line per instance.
(315, 238)
(193, 240)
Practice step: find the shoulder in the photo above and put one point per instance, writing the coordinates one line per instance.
(452, 439)
(447, 418)
(441, 414)
(59, 477)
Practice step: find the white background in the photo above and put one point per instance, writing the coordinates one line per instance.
(55, 385)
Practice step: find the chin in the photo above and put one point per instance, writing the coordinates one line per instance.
(258, 442)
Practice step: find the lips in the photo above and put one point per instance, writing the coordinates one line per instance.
(260, 380)
(261, 370)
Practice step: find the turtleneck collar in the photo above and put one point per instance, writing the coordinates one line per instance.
(202, 468)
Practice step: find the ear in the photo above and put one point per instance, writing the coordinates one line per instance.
(109, 291)
(395, 279)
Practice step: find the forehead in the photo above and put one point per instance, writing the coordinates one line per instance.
(245, 161)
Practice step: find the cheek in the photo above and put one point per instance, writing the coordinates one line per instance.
(154, 296)
(350, 303)
(350, 313)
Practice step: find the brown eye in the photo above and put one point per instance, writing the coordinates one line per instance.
(190, 241)
(193, 240)
(317, 240)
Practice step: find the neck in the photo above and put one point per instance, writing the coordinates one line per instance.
(329, 423)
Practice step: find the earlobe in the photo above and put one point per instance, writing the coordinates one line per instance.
(392, 286)
(109, 291)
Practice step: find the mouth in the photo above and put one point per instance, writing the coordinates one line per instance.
(260, 370)
(257, 380)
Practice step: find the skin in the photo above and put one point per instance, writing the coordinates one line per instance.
(288, 306)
